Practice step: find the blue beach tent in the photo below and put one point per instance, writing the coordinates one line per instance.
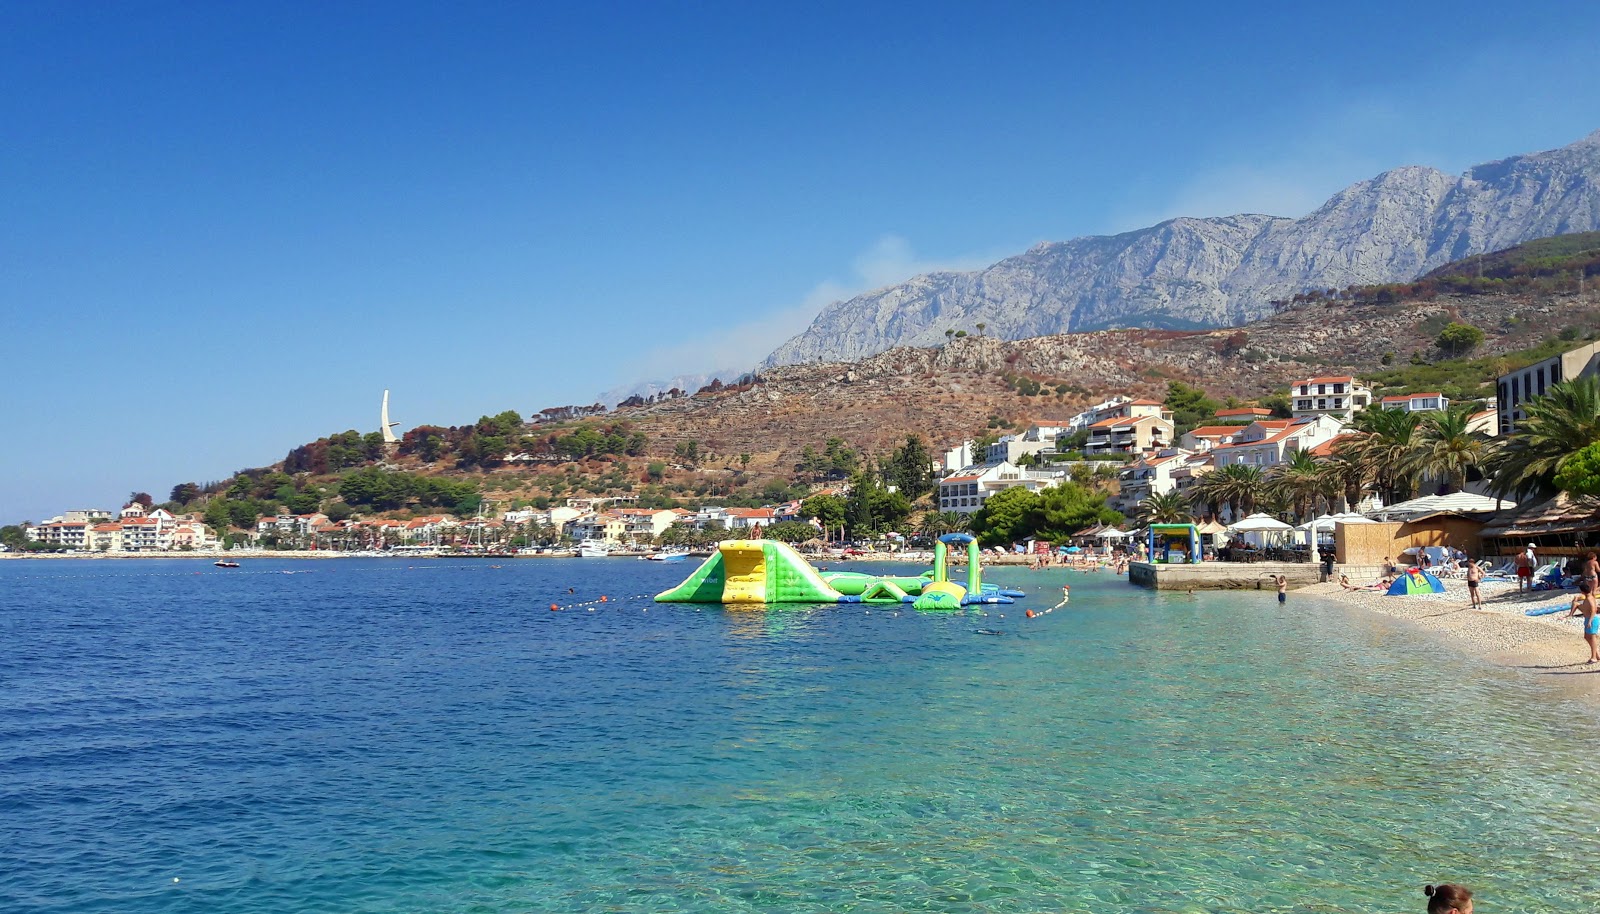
(1415, 581)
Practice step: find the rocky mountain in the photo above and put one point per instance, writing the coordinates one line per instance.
(1192, 273)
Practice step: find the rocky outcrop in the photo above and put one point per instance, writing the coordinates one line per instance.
(1194, 273)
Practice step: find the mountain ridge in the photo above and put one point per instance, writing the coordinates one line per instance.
(1193, 272)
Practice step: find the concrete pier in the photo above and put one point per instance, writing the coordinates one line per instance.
(1223, 575)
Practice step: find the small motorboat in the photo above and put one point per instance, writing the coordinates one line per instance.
(671, 555)
(225, 563)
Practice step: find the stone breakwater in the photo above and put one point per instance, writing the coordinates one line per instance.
(1500, 631)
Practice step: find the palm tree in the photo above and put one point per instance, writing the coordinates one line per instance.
(1303, 481)
(1387, 439)
(1348, 474)
(1168, 508)
(1560, 423)
(1446, 448)
(1237, 485)
(935, 524)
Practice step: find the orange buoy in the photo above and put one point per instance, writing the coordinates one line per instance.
(1030, 614)
(602, 598)
(554, 607)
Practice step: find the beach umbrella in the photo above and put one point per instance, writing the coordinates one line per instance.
(1073, 549)
(1112, 533)
(1415, 581)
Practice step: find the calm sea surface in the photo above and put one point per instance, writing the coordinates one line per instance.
(379, 736)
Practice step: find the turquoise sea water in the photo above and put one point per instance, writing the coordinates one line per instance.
(376, 736)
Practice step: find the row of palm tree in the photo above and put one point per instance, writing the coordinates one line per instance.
(1396, 455)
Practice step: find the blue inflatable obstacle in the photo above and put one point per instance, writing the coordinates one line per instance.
(942, 593)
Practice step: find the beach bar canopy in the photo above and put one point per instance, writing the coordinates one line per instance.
(1323, 526)
(1166, 534)
(1257, 529)
(1259, 523)
(1112, 533)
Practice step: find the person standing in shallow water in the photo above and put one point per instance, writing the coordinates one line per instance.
(1448, 899)
(1283, 589)
(1584, 604)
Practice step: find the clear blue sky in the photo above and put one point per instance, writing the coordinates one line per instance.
(225, 228)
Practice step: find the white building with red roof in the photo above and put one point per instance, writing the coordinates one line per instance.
(1416, 403)
(1341, 396)
(1272, 441)
(965, 491)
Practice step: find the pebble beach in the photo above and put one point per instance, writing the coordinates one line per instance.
(1500, 631)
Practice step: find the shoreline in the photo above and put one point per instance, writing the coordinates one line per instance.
(1500, 632)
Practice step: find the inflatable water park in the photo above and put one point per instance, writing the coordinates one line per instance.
(767, 571)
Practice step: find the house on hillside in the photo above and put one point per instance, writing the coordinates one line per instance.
(962, 455)
(1416, 403)
(1269, 442)
(1147, 476)
(1245, 414)
(1103, 410)
(1010, 448)
(965, 491)
(1129, 435)
(1341, 396)
(1206, 437)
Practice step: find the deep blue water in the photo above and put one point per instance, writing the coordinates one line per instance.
(378, 735)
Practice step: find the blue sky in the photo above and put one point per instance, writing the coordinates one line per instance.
(226, 228)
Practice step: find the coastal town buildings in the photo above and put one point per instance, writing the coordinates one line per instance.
(1011, 448)
(556, 516)
(1103, 410)
(1416, 403)
(1269, 442)
(962, 455)
(1242, 414)
(1515, 389)
(1206, 437)
(966, 490)
(1129, 435)
(133, 530)
(1341, 396)
(1147, 476)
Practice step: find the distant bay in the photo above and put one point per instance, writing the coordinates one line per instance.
(390, 735)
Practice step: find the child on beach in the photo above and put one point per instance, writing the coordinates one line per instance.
(1584, 604)
(1448, 899)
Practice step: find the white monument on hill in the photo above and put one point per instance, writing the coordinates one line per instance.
(385, 425)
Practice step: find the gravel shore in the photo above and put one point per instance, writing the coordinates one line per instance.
(1500, 632)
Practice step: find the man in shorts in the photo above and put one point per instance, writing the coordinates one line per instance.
(1283, 589)
(1525, 570)
(1474, 578)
